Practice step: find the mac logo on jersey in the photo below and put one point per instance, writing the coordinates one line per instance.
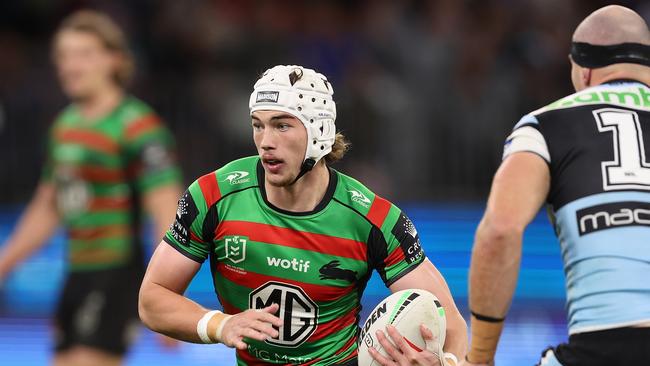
(298, 312)
(613, 215)
(236, 248)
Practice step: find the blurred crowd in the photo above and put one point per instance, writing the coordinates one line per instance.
(426, 90)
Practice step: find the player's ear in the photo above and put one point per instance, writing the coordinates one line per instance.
(585, 73)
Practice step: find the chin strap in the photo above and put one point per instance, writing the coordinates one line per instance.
(307, 165)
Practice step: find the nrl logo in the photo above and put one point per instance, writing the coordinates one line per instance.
(359, 198)
(237, 177)
(236, 248)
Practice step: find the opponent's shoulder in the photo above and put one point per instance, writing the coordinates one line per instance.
(631, 94)
(356, 196)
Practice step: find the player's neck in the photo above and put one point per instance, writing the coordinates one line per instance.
(302, 196)
(100, 103)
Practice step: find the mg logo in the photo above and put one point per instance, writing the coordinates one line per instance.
(298, 312)
(236, 248)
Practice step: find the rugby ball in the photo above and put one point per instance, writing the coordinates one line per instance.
(405, 310)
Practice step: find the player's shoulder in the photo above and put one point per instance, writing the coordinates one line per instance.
(358, 197)
(233, 177)
(628, 94)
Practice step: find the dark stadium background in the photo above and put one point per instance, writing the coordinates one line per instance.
(426, 91)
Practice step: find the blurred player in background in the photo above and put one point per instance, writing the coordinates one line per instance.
(587, 156)
(108, 157)
(291, 243)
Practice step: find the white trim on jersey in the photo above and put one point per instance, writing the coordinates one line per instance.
(529, 139)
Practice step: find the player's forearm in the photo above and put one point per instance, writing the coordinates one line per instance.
(456, 336)
(494, 268)
(169, 313)
(37, 224)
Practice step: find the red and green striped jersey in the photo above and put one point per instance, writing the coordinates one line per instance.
(315, 265)
(100, 169)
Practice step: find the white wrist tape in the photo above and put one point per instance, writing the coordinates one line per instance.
(452, 357)
(202, 326)
(217, 333)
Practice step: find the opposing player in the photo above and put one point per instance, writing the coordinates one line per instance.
(588, 156)
(291, 243)
(108, 157)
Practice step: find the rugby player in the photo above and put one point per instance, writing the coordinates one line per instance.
(588, 157)
(109, 158)
(291, 243)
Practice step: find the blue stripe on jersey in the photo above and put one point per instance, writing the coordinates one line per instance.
(606, 270)
(526, 120)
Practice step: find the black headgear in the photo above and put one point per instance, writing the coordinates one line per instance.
(594, 56)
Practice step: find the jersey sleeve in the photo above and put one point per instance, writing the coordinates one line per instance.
(395, 247)
(150, 150)
(526, 136)
(186, 233)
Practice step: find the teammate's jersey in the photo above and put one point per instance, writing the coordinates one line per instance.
(315, 265)
(597, 145)
(100, 169)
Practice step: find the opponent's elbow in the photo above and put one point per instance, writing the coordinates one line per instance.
(497, 232)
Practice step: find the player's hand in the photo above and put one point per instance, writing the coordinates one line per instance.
(400, 353)
(258, 324)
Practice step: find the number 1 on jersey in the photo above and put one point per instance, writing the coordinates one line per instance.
(629, 169)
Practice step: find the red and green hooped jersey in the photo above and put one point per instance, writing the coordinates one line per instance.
(315, 265)
(100, 169)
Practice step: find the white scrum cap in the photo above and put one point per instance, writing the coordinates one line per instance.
(303, 93)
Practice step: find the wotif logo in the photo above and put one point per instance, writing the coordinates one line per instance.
(359, 198)
(237, 177)
(294, 264)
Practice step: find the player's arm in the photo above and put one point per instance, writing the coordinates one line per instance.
(160, 203)
(37, 224)
(519, 189)
(427, 277)
(164, 309)
(155, 172)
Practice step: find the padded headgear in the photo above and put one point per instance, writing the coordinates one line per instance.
(305, 94)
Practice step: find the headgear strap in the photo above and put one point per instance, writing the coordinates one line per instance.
(594, 56)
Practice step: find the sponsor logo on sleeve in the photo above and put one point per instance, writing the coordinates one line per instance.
(186, 212)
(156, 157)
(408, 237)
(237, 177)
(267, 97)
(359, 198)
(612, 215)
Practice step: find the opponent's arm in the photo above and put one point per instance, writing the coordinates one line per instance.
(37, 224)
(164, 309)
(519, 189)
